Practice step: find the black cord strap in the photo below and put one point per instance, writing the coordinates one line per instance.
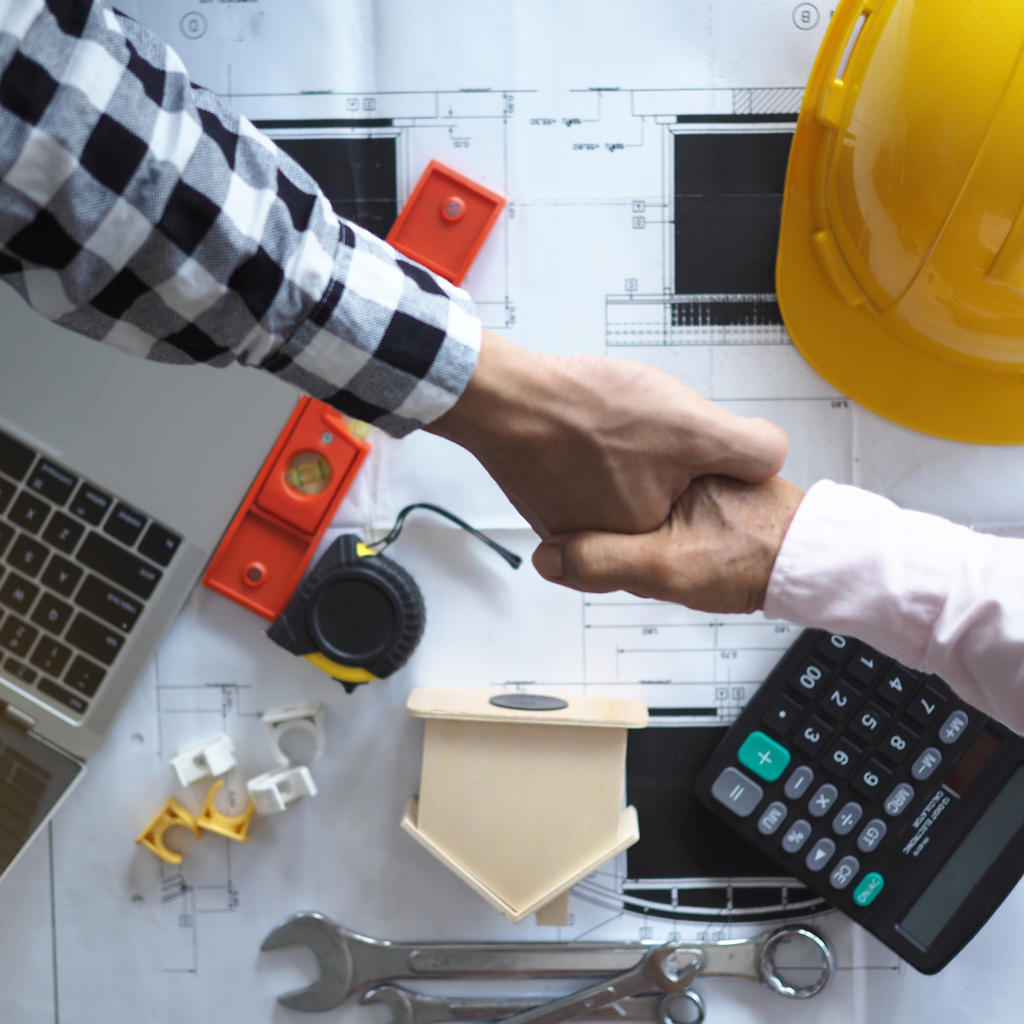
(385, 542)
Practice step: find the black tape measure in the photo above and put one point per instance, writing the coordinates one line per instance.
(359, 616)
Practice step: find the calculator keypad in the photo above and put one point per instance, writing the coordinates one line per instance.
(842, 757)
(734, 790)
(840, 701)
(782, 715)
(926, 706)
(872, 834)
(927, 761)
(896, 685)
(812, 736)
(819, 804)
(868, 732)
(799, 782)
(868, 723)
(774, 815)
(954, 725)
(899, 799)
(846, 820)
(820, 855)
(796, 835)
(843, 873)
(870, 780)
(810, 678)
(865, 665)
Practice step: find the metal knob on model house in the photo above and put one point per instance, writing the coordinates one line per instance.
(358, 616)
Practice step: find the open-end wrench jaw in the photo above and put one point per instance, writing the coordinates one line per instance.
(396, 998)
(321, 935)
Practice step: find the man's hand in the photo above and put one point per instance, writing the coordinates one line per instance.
(595, 442)
(714, 553)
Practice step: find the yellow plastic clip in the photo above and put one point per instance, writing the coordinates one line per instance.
(170, 815)
(212, 820)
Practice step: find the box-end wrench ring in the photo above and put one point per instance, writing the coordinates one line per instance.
(770, 976)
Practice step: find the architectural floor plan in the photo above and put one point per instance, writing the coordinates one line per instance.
(642, 149)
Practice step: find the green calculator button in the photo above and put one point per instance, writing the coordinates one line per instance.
(763, 756)
(870, 886)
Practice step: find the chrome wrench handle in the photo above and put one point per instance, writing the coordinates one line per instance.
(415, 1008)
(664, 969)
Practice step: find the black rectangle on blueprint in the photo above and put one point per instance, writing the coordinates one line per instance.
(728, 204)
(358, 176)
(754, 311)
(678, 838)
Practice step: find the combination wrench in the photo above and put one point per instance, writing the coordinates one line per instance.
(414, 1008)
(352, 963)
(672, 967)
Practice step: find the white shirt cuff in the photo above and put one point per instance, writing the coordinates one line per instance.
(934, 595)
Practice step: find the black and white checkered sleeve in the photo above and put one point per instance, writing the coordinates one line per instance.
(142, 211)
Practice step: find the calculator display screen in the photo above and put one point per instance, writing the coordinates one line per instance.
(953, 884)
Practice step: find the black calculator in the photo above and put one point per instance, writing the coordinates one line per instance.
(880, 789)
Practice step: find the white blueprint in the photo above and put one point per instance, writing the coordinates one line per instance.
(571, 111)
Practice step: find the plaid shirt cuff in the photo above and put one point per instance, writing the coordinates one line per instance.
(389, 342)
(141, 210)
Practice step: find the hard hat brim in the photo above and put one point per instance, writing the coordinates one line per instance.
(850, 348)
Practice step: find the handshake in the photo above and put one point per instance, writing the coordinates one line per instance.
(633, 480)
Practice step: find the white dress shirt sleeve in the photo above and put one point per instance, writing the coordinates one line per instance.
(936, 596)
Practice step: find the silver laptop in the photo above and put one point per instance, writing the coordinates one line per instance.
(117, 479)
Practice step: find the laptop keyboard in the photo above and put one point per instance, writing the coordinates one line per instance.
(77, 566)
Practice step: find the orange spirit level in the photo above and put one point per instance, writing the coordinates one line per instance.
(284, 516)
(445, 221)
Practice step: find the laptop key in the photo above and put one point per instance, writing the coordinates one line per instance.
(6, 536)
(15, 801)
(84, 676)
(6, 493)
(29, 512)
(28, 783)
(20, 671)
(27, 555)
(119, 566)
(125, 524)
(50, 656)
(159, 544)
(52, 614)
(61, 575)
(15, 458)
(63, 533)
(17, 636)
(14, 822)
(51, 481)
(92, 637)
(17, 593)
(65, 697)
(91, 504)
(28, 763)
(109, 603)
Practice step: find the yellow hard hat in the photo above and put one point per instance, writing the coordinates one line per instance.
(901, 257)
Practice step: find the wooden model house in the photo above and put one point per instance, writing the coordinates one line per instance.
(524, 800)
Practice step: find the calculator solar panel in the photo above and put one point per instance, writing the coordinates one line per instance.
(881, 790)
(77, 566)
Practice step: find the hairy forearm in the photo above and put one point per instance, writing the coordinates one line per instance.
(596, 442)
